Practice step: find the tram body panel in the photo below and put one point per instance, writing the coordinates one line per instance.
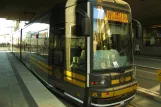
(35, 45)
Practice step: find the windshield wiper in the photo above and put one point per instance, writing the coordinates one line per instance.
(123, 52)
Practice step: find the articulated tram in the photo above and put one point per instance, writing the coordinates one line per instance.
(80, 45)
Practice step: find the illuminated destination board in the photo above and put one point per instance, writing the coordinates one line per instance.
(100, 13)
(116, 16)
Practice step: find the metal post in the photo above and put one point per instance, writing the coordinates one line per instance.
(87, 98)
(87, 95)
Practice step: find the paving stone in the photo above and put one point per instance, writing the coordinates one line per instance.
(15, 91)
(140, 101)
(10, 74)
(5, 98)
(20, 102)
(3, 81)
(12, 80)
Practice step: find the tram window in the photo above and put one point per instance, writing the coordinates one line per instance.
(33, 43)
(77, 53)
(26, 41)
(77, 45)
(35, 37)
(43, 37)
(43, 43)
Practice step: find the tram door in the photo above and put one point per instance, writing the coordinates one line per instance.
(58, 55)
(56, 45)
(75, 53)
(68, 51)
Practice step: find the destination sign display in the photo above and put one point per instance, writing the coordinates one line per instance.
(117, 16)
(103, 14)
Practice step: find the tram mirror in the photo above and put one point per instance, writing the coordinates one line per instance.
(138, 28)
(76, 30)
(86, 26)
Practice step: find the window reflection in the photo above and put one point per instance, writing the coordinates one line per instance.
(75, 41)
(35, 38)
(111, 39)
(16, 43)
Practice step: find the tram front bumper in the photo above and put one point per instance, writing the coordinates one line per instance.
(116, 96)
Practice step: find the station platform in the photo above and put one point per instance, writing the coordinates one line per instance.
(20, 88)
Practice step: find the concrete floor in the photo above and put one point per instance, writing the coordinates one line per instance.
(11, 94)
(141, 101)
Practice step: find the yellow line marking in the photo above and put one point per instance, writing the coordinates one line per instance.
(75, 75)
(128, 78)
(39, 66)
(113, 82)
(104, 95)
(124, 91)
(75, 82)
(117, 81)
(41, 63)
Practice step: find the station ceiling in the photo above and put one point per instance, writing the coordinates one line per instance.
(146, 11)
(24, 9)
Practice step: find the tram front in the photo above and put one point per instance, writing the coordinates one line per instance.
(112, 78)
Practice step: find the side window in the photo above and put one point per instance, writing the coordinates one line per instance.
(78, 45)
(43, 43)
(26, 40)
(59, 44)
(42, 37)
(34, 43)
(27, 43)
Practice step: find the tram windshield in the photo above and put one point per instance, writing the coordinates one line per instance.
(111, 39)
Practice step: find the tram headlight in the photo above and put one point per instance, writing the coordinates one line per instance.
(102, 82)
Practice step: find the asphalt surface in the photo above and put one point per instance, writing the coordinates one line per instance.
(138, 101)
(154, 62)
(146, 72)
